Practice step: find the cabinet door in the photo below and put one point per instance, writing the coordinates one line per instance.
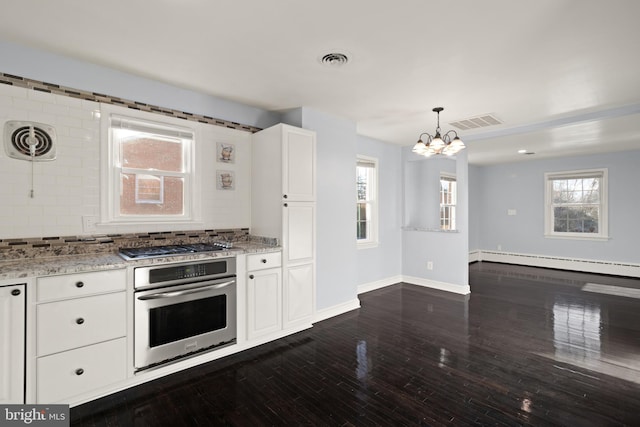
(299, 151)
(299, 232)
(299, 294)
(264, 295)
(12, 311)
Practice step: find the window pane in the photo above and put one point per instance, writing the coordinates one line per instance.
(172, 196)
(576, 219)
(147, 152)
(363, 222)
(362, 183)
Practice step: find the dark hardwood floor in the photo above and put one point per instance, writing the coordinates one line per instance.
(527, 347)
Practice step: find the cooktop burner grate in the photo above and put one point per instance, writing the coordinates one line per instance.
(168, 250)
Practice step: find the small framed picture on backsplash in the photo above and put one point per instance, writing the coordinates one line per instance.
(226, 152)
(225, 180)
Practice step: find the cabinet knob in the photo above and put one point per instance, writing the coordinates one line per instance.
(15, 292)
(79, 320)
(285, 205)
(264, 261)
(79, 371)
(251, 276)
(285, 196)
(79, 284)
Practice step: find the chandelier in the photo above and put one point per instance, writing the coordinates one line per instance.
(447, 144)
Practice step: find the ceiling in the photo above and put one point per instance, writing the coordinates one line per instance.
(562, 75)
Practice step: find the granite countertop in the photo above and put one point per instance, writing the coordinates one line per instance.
(34, 267)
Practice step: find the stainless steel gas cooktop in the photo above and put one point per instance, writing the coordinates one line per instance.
(169, 250)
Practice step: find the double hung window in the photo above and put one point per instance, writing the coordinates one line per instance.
(448, 200)
(576, 204)
(150, 172)
(366, 199)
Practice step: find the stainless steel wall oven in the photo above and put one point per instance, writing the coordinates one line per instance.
(184, 308)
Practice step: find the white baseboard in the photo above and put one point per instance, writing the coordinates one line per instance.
(441, 286)
(336, 310)
(378, 284)
(563, 263)
(474, 256)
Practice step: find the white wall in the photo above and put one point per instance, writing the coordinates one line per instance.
(68, 188)
(385, 260)
(520, 186)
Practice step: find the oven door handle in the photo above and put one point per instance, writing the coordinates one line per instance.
(186, 291)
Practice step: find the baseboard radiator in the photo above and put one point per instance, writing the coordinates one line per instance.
(562, 263)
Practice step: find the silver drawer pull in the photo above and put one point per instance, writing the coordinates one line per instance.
(185, 292)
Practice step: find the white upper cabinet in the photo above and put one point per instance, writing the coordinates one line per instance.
(298, 150)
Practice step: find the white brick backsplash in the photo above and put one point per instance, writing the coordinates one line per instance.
(27, 104)
(68, 101)
(68, 188)
(38, 95)
(58, 110)
(41, 117)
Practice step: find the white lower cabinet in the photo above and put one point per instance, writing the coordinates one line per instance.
(264, 307)
(74, 372)
(12, 344)
(64, 325)
(81, 328)
(264, 294)
(299, 293)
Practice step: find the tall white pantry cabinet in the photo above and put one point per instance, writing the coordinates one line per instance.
(284, 206)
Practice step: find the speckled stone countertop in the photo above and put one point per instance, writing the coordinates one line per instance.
(34, 267)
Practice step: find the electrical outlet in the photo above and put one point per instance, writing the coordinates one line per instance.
(429, 265)
(89, 223)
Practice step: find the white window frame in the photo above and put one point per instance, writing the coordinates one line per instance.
(372, 237)
(454, 206)
(603, 205)
(110, 169)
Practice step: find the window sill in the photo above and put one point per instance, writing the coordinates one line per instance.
(429, 230)
(367, 245)
(577, 237)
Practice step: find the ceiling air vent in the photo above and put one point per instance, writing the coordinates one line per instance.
(334, 59)
(29, 141)
(476, 122)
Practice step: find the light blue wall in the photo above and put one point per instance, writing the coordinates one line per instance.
(520, 186)
(336, 259)
(475, 202)
(48, 67)
(447, 251)
(385, 260)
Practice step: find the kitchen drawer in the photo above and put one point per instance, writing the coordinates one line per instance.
(81, 284)
(75, 372)
(64, 325)
(264, 260)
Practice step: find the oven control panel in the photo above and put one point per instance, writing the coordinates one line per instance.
(181, 273)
